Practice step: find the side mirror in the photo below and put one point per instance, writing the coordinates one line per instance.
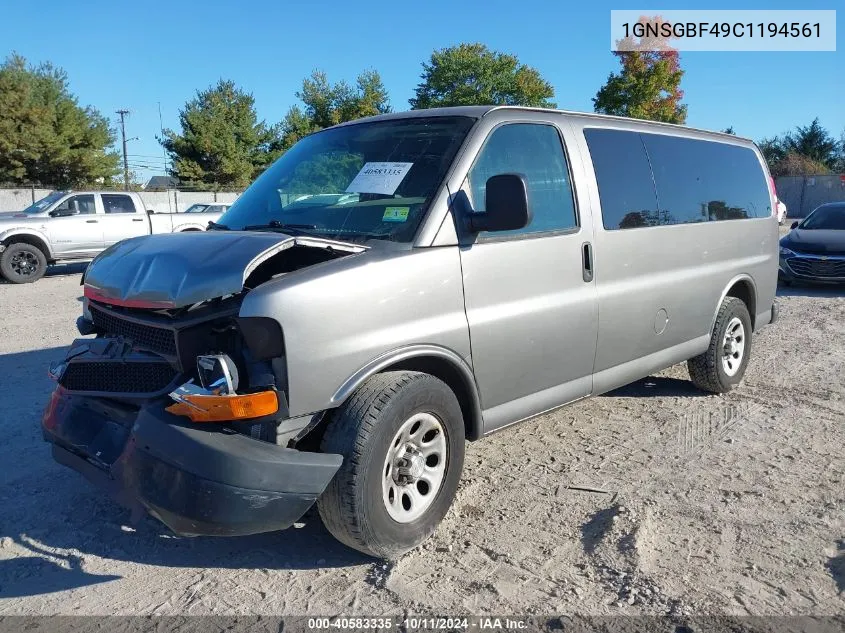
(794, 225)
(150, 212)
(62, 213)
(505, 205)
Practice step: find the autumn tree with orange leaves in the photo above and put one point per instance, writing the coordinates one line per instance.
(648, 85)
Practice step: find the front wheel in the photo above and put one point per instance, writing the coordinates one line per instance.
(723, 365)
(22, 263)
(402, 439)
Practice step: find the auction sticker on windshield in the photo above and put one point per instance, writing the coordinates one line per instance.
(396, 214)
(381, 178)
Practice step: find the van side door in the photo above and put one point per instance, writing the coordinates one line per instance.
(122, 218)
(74, 227)
(529, 293)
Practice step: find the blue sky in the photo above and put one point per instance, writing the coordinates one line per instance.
(135, 56)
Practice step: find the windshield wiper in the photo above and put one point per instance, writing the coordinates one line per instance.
(213, 226)
(361, 234)
(281, 226)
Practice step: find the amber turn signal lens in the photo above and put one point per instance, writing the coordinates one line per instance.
(201, 408)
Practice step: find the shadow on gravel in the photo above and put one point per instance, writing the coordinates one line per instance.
(595, 529)
(656, 386)
(836, 567)
(53, 514)
(60, 270)
(33, 576)
(807, 290)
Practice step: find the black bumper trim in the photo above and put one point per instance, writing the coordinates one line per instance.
(196, 479)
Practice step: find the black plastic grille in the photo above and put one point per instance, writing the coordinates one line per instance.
(817, 267)
(153, 338)
(118, 377)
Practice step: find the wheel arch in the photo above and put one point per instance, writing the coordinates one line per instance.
(27, 236)
(441, 363)
(743, 288)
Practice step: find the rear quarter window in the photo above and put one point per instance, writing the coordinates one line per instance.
(655, 180)
(700, 181)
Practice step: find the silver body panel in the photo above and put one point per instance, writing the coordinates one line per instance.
(516, 318)
(344, 315)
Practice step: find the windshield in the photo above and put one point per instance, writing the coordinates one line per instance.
(826, 217)
(196, 208)
(368, 180)
(42, 204)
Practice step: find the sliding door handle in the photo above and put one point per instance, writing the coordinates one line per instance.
(587, 262)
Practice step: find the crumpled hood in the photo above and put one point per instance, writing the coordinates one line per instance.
(817, 241)
(179, 269)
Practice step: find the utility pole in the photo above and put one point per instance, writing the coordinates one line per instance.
(122, 114)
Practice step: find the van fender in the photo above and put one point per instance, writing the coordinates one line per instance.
(408, 353)
(9, 235)
(731, 284)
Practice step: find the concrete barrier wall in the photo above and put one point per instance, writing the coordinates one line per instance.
(19, 199)
(159, 201)
(802, 194)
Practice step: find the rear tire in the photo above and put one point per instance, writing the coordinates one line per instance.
(723, 365)
(401, 435)
(22, 263)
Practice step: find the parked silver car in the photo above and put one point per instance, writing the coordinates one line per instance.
(208, 207)
(465, 269)
(76, 225)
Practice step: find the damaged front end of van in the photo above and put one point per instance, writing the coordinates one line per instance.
(179, 405)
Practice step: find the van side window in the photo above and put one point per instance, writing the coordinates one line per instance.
(118, 203)
(701, 181)
(82, 204)
(655, 179)
(626, 188)
(536, 151)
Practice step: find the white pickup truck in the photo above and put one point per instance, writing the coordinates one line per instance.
(73, 226)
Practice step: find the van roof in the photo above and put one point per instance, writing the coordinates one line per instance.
(478, 111)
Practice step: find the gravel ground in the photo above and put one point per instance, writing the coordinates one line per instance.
(655, 499)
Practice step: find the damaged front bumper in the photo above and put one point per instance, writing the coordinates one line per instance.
(198, 480)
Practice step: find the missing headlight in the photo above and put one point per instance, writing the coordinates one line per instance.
(263, 337)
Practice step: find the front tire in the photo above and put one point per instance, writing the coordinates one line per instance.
(402, 438)
(723, 365)
(22, 263)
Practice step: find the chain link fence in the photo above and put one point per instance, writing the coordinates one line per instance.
(802, 194)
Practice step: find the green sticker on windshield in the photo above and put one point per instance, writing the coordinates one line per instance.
(396, 214)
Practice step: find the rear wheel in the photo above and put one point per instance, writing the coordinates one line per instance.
(22, 263)
(723, 365)
(402, 438)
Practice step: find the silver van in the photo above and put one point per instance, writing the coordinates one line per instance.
(394, 286)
